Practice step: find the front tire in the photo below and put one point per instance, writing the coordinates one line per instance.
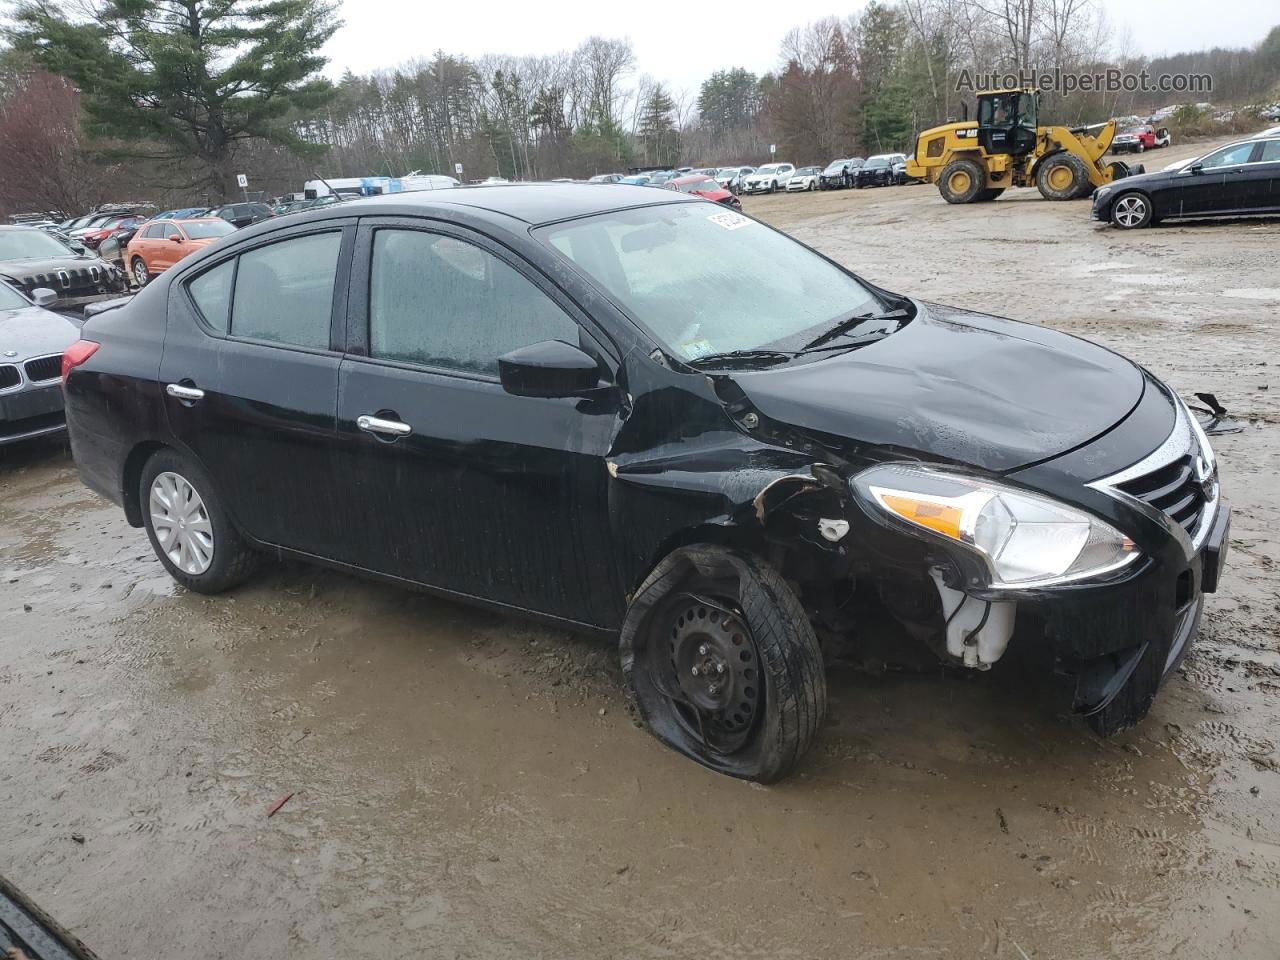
(1062, 177)
(1131, 211)
(722, 663)
(188, 527)
(962, 181)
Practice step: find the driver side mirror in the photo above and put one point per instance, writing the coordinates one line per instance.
(551, 368)
(1196, 168)
(43, 297)
(79, 247)
(176, 239)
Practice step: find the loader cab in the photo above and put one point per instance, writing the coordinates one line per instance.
(1007, 121)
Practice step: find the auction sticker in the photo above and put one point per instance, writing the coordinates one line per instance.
(729, 220)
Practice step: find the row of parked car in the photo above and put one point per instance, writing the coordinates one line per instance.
(877, 171)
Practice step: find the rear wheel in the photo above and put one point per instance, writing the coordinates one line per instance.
(962, 181)
(188, 527)
(989, 194)
(1062, 177)
(141, 276)
(1131, 211)
(722, 663)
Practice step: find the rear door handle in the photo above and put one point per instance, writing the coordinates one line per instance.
(190, 394)
(389, 428)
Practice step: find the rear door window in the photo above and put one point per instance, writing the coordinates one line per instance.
(212, 293)
(443, 302)
(1270, 151)
(284, 291)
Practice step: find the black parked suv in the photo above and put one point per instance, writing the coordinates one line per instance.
(535, 397)
(31, 260)
(243, 214)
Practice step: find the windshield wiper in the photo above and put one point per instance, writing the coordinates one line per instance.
(844, 326)
(742, 357)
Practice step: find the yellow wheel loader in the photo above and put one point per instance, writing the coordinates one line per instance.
(973, 161)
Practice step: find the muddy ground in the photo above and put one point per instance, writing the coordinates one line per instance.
(466, 785)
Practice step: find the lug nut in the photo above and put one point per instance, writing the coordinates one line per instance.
(713, 689)
(694, 671)
(702, 650)
(719, 668)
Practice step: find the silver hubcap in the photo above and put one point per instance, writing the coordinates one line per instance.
(181, 523)
(1130, 211)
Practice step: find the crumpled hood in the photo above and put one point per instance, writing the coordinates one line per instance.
(990, 393)
(33, 332)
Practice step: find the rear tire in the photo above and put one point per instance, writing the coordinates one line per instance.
(188, 527)
(722, 663)
(962, 181)
(1063, 177)
(141, 275)
(1131, 211)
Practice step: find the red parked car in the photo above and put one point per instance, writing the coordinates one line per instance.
(706, 187)
(92, 238)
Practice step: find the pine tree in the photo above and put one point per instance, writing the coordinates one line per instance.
(188, 81)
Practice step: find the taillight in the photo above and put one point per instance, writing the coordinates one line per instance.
(76, 354)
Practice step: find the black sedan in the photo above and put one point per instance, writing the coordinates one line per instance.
(1239, 179)
(642, 415)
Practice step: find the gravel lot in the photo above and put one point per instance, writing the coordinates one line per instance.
(470, 786)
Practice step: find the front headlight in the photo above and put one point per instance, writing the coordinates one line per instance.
(1025, 540)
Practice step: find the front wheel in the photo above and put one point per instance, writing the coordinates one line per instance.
(1062, 177)
(1131, 211)
(188, 527)
(962, 181)
(722, 663)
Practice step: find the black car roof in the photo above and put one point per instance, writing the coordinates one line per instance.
(533, 203)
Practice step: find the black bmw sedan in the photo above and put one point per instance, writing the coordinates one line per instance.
(639, 414)
(1239, 179)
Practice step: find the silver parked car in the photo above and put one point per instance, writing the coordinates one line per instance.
(31, 343)
(731, 177)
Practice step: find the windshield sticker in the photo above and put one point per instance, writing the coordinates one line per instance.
(729, 220)
(697, 348)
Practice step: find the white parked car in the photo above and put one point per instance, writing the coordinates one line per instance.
(731, 177)
(806, 178)
(767, 179)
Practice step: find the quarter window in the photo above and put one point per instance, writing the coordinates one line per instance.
(284, 292)
(444, 302)
(212, 293)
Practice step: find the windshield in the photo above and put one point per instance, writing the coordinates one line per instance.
(878, 162)
(30, 244)
(806, 171)
(710, 282)
(705, 183)
(204, 229)
(10, 299)
(835, 166)
(769, 168)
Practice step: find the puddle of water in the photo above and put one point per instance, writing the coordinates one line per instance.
(1253, 293)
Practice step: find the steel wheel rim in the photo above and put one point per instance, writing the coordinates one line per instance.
(181, 523)
(959, 182)
(712, 673)
(1130, 211)
(1060, 177)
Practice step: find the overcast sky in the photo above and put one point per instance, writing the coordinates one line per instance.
(680, 43)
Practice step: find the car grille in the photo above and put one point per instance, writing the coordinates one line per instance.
(83, 281)
(1173, 479)
(1172, 489)
(44, 368)
(9, 376)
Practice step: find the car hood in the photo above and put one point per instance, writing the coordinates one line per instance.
(1145, 179)
(983, 391)
(34, 332)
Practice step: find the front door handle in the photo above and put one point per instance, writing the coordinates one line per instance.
(190, 394)
(390, 428)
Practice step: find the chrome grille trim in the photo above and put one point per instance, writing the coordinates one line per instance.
(1180, 443)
